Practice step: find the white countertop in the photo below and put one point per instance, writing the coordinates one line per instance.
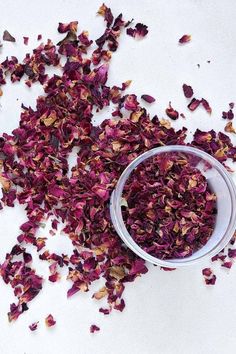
(166, 312)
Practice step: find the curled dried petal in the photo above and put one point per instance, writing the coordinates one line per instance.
(171, 112)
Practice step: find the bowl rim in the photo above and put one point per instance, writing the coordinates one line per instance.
(119, 225)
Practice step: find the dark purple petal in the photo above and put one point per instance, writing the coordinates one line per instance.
(94, 328)
(148, 98)
(188, 91)
(232, 253)
(211, 281)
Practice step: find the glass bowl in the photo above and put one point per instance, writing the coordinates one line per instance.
(220, 182)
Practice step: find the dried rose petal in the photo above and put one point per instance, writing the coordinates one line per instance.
(232, 253)
(229, 128)
(185, 39)
(39, 37)
(66, 27)
(188, 91)
(206, 105)
(104, 311)
(33, 326)
(207, 272)
(166, 269)
(26, 40)
(49, 321)
(140, 30)
(107, 14)
(228, 115)
(231, 105)
(148, 98)
(194, 104)
(171, 112)
(8, 37)
(100, 294)
(227, 264)
(94, 328)
(211, 281)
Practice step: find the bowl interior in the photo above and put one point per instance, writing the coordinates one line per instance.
(220, 183)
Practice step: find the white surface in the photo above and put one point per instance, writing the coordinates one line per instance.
(167, 312)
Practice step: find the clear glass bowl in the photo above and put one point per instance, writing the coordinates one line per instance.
(220, 183)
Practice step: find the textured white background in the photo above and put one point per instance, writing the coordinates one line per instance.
(167, 312)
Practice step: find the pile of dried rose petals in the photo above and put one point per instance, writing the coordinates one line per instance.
(35, 170)
(170, 210)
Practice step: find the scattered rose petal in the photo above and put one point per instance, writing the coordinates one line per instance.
(94, 328)
(8, 37)
(232, 253)
(211, 281)
(206, 105)
(229, 128)
(228, 115)
(185, 39)
(227, 264)
(173, 114)
(26, 40)
(66, 27)
(207, 272)
(140, 30)
(104, 311)
(49, 321)
(194, 104)
(188, 91)
(33, 326)
(166, 269)
(148, 98)
(107, 14)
